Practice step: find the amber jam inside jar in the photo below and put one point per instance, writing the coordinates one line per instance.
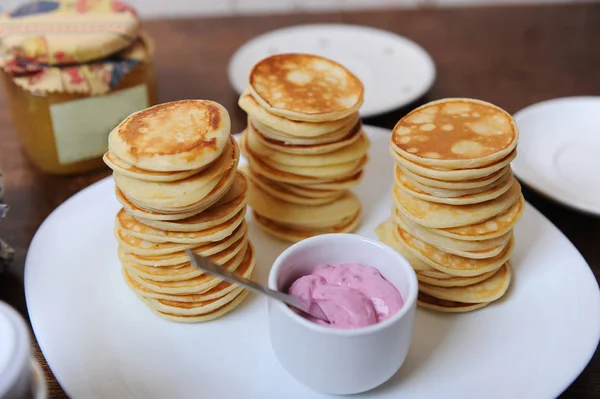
(39, 119)
(73, 70)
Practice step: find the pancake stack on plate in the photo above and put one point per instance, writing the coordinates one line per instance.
(175, 170)
(456, 201)
(304, 144)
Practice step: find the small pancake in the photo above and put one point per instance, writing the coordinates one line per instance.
(309, 192)
(488, 290)
(305, 87)
(226, 208)
(418, 188)
(174, 136)
(277, 135)
(453, 175)
(386, 234)
(452, 281)
(179, 258)
(453, 264)
(206, 302)
(196, 285)
(289, 234)
(494, 192)
(452, 245)
(351, 153)
(435, 215)
(309, 216)
(183, 271)
(245, 269)
(428, 302)
(454, 185)
(183, 193)
(326, 172)
(123, 168)
(220, 312)
(496, 226)
(258, 166)
(173, 214)
(455, 133)
(311, 148)
(287, 126)
(149, 234)
(280, 192)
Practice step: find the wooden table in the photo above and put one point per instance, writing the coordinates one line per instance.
(511, 56)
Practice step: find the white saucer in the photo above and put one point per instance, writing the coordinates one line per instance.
(102, 342)
(559, 150)
(394, 70)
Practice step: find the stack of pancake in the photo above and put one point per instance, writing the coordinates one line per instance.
(304, 144)
(175, 171)
(456, 201)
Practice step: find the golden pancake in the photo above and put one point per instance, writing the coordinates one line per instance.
(454, 185)
(327, 172)
(193, 308)
(309, 192)
(427, 302)
(280, 192)
(178, 258)
(418, 188)
(451, 281)
(245, 269)
(448, 244)
(222, 211)
(220, 312)
(305, 87)
(288, 126)
(309, 216)
(387, 235)
(176, 136)
(329, 138)
(146, 248)
(211, 199)
(487, 290)
(494, 192)
(496, 226)
(289, 234)
(183, 271)
(453, 264)
(455, 133)
(196, 285)
(453, 175)
(351, 153)
(123, 168)
(205, 302)
(138, 212)
(306, 149)
(258, 166)
(435, 215)
(146, 233)
(163, 196)
(435, 274)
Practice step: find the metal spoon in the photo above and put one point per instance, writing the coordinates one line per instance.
(208, 266)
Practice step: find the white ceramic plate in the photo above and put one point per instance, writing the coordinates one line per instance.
(101, 341)
(394, 70)
(559, 150)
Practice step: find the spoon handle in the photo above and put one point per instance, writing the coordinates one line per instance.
(212, 268)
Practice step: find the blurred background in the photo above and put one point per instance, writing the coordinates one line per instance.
(151, 9)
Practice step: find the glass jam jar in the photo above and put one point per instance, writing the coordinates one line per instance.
(73, 70)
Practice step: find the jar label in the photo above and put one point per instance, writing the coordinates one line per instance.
(81, 127)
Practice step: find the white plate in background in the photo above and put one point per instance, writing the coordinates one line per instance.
(101, 341)
(559, 150)
(394, 70)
